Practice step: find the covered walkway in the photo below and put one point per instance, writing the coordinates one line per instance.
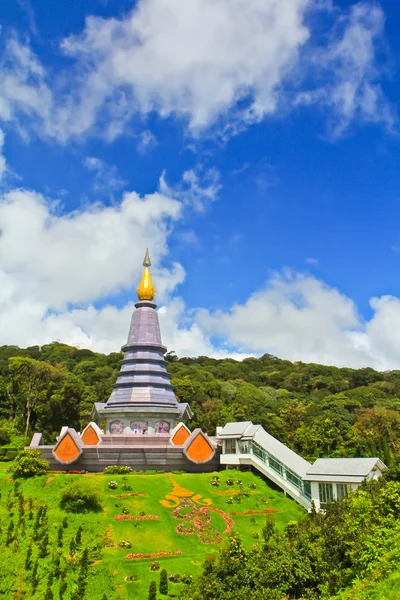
(247, 444)
(328, 479)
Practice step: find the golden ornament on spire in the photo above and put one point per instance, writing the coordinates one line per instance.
(146, 289)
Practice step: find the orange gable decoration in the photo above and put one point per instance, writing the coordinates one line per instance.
(181, 435)
(90, 436)
(199, 449)
(68, 448)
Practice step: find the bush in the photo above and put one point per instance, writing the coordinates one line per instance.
(153, 591)
(164, 583)
(117, 470)
(29, 463)
(5, 437)
(80, 496)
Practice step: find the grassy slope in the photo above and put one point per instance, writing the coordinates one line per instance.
(111, 567)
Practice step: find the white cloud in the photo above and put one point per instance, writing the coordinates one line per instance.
(301, 318)
(50, 261)
(197, 188)
(106, 178)
(313, 262)
(24, 92)
(147, 141)
(193, 59)
(215, 65)
(350, 72)
(3, 164)
(84, 255)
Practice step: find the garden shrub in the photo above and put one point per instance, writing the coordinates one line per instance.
(80, 496)
(117, 470)
(164, 583)
(29, 463)
(11, 453)
(153, 591)
(5, 437)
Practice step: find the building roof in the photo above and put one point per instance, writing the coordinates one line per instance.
(235, 429)
(246, 430)
(343, 467)
(186, 412)
(290, 459)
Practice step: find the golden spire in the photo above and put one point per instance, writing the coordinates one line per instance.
(146, 289)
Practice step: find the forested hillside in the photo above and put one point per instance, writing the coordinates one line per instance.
(315, 409)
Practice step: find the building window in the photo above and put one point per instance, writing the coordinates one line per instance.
(325, 493)
(276, 465)
(162, 427)
(117, 427)
(259, 452)
(307, 489)
(230, 446)
(342, 490)
(244, 447)
(293, 478)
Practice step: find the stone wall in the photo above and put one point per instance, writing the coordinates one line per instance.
(157, 456)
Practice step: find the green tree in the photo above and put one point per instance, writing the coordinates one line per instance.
(164, 583)
(153, 591)
(31, 380)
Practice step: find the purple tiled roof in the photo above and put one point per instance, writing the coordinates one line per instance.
(143, 379)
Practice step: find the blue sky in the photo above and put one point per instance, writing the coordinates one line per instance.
(252, 145)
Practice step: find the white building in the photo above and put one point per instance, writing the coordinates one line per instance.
(327, 480)
(333, 478)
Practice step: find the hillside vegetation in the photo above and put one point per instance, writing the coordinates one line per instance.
(269, 551)
(315, 409)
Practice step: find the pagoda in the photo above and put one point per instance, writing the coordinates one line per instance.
(142, 401)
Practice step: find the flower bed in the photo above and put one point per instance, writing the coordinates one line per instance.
(152, 555)
(185, 529)
(141, 518)
(125, 495)
(228, 521)
(112, 485)
(184, 505)
(252, 512)
(202, 522)
(126, 487)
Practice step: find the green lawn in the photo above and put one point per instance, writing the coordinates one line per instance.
(103, 534)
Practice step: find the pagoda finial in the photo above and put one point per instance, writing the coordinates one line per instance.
(146, 289)
(147, 261)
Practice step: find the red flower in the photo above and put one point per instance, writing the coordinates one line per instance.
(131, 518)
(152, 555)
